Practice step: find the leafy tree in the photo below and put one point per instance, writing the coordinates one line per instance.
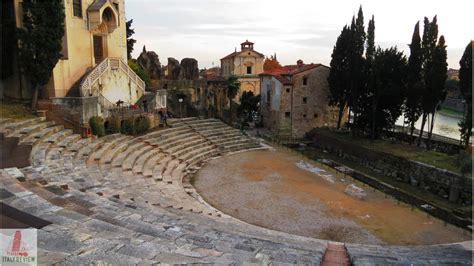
(338, 79)
(130, 41)
(412, 106)
(139, 71)
(40, 41)
(248, 104)
(465, 84)
(428, 46)
(388, 74)
(271, 64)
(232, 89)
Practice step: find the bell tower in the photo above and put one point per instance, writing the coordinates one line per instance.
(246, 45)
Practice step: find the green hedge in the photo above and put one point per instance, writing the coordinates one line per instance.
(97, 126)
(128, 127)
(142, 124)
(113, 125)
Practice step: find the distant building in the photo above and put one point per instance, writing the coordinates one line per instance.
(453, 74)
(246, 64)
(294, 100)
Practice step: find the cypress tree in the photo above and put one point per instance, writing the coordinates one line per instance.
(370, 56)
(338, 76)
(465, 84)
(438, 80)
(430, 36)
(356, 70)
(40, 41)
(412, 107)
(130, 41)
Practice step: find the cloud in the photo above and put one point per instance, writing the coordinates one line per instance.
(210, 29)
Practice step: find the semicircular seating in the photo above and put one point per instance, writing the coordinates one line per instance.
(123, 200)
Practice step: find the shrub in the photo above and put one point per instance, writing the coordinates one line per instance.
(142, 124)
(128, 127)
(113, 125)
(97, 126)
(310, 134)
(464, 162)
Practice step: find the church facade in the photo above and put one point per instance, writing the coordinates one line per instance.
(94, 58)
(246, 64)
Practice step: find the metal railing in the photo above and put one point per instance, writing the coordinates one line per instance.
(86, 87)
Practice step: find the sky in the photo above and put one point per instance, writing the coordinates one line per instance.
(208, 30)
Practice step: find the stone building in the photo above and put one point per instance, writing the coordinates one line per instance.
(93, 68)
(294, 100)
(246, 64)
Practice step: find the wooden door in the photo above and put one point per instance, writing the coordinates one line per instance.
(98, 48)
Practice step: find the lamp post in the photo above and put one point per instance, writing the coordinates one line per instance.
(180, 100)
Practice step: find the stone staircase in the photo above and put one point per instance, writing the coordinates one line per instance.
(121, 200)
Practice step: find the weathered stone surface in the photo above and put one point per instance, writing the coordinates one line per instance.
(175, 70)
(150, 62)
(113, 233)
(190, 67)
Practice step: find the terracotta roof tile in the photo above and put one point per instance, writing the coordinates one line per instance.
(284, 73)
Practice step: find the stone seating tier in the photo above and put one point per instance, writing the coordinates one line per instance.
(122, 200)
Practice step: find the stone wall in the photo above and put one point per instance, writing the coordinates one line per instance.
(436, 145)
(296, 108)
(315, 112)
(200, 97)
(439, 182)
(74, 110)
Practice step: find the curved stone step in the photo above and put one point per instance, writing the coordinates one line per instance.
(109, 155)
(18, 124)
(41, 135)
(25, 132)
(147, 161)
(109, 143)
(128, 161)
(69, 140)
(158, 169)
(58, 136)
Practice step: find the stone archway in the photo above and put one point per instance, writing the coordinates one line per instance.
(109, 18)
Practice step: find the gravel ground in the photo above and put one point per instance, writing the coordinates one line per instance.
(268, 189)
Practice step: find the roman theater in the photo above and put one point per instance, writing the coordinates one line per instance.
(203, 192)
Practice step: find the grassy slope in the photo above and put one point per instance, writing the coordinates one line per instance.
(410, 152)
(14, 110)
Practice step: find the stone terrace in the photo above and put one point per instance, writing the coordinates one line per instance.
(125, 200)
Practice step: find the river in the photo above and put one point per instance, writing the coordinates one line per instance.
(444, 125)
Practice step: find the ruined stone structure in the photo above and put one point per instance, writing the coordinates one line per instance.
(199, 97)
(246, 64)
(174, 71)
(150, 62)
(294, 99)
(190, 68)
(124, 200)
